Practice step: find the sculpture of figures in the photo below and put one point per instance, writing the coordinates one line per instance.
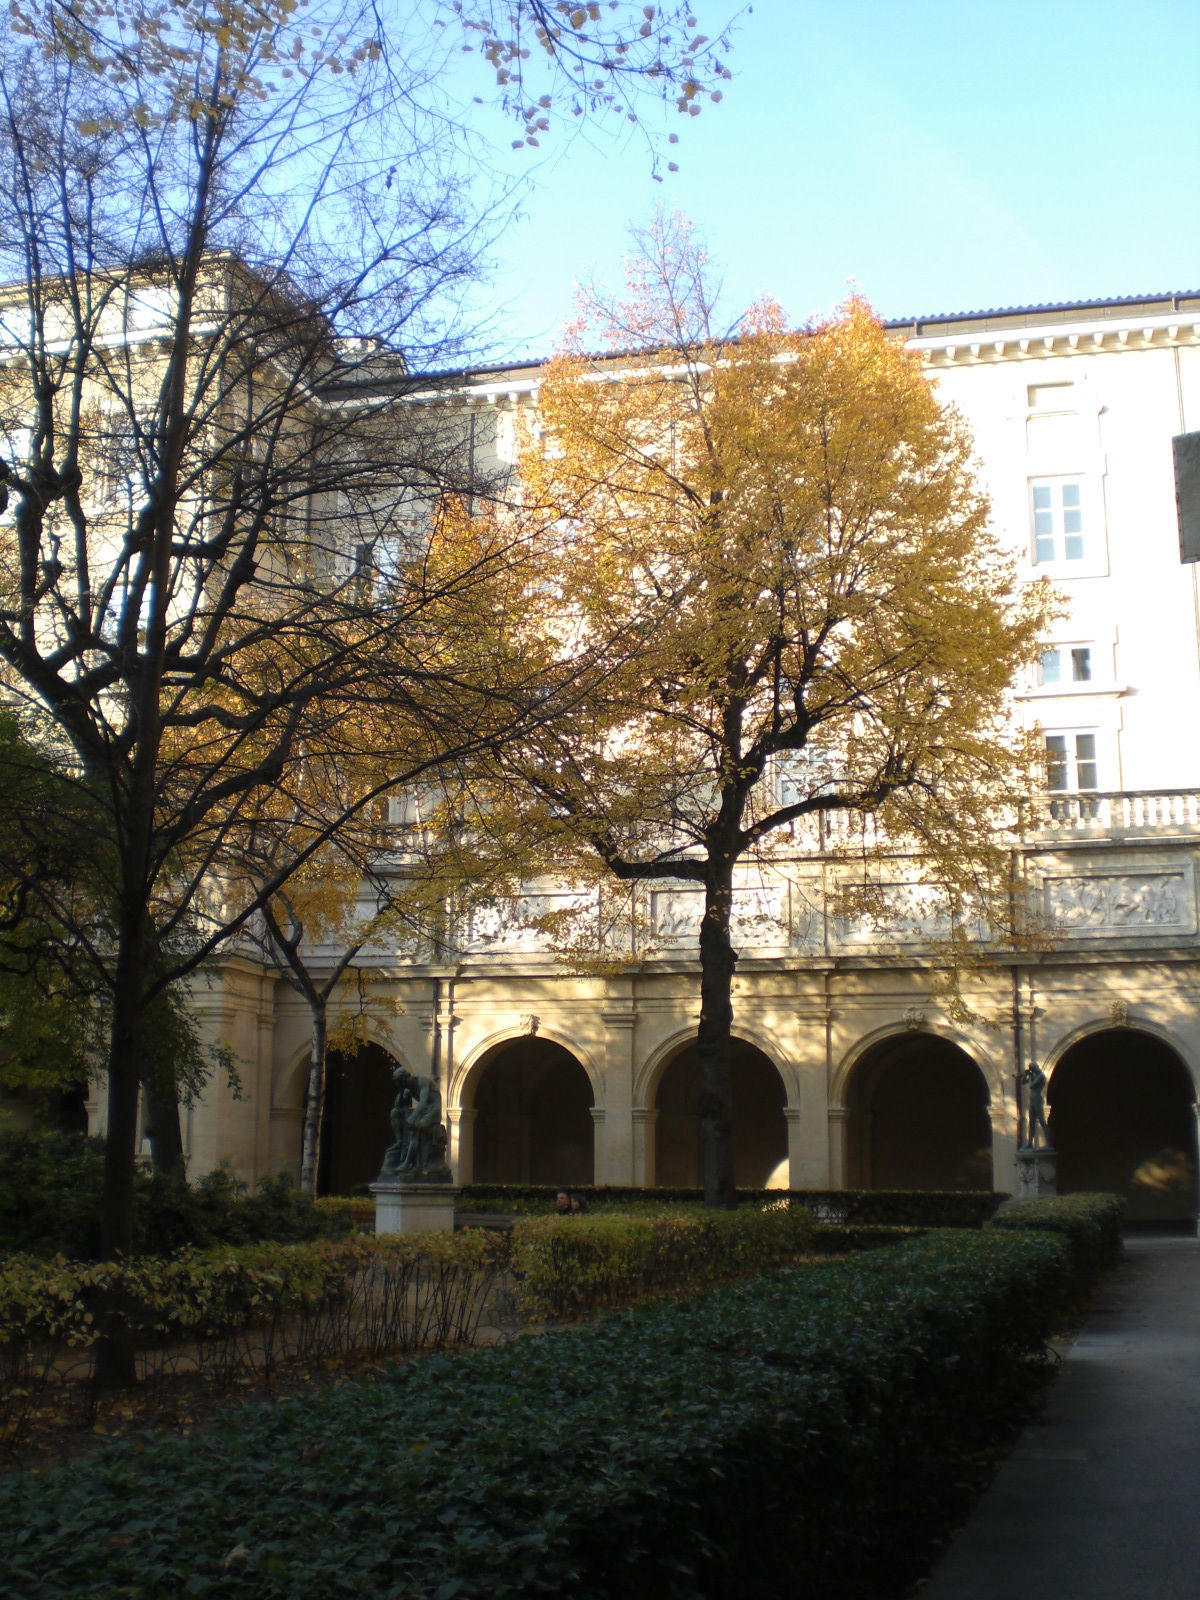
(419, 1138)
(1037, 1134)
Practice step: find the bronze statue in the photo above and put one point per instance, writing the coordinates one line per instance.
(1037, 1134)
(418, 1149)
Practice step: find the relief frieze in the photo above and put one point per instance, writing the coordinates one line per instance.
(1126, 903)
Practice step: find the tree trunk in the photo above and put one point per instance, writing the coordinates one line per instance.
(314, 1105)
(114, 1352)
(717, 961)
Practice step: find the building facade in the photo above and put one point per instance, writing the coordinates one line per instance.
(849, 1068)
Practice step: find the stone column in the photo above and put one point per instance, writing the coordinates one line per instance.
(1003, 1116)
(837, 1119)
(598, 1131)
(460, 1128)
(645, 1120)
(615, 1160)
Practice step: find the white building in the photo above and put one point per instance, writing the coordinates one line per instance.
(847, 1072)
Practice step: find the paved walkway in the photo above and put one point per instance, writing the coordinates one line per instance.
(1100, 1499)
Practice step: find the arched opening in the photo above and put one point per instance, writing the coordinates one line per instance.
(760, 1143)
(356, 1130)
(533, 1116)
(918, 1118)
(1121, 1119)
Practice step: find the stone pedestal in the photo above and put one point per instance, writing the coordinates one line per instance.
(414, 1207)
(1037, 1173)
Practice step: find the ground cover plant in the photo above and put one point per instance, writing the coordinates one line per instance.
(803, 1423)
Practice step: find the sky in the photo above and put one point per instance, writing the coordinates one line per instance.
(935, 155)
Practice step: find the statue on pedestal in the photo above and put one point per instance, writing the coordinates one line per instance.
(1036, 1133)
(418, 1148)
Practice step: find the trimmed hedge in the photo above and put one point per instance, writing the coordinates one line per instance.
(1091, 1224)
(889, 1208)
(575, 1265)
(237, 1315)
(783, 1435)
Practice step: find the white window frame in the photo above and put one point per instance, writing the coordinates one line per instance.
(1072, 655)
(1066, 537)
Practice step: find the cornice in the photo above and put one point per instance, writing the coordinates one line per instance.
(1034, 341)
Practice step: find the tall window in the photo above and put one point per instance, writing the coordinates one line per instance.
(1065, 663)
(1056, 505)
(1072, 769)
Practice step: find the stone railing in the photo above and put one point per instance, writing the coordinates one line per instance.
(1116, 814)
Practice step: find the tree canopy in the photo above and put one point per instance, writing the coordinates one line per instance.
(229, 236)
(813, 630)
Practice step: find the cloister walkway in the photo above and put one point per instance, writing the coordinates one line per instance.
(1100, 1499)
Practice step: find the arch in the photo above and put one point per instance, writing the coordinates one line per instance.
(760, 1134)
(532, 1102)
(917, 1116)
(355, 1130)
(649, 1075)
(1122, 1119)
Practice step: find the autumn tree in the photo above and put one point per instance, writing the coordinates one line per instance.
(230, 234)
(812, 620)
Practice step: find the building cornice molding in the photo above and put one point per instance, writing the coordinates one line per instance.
(1035, 341)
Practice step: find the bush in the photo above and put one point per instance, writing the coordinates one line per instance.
(50, 1204)
(1090, 1223)
(788, 1430)
(573, 1266)
(236, 1315)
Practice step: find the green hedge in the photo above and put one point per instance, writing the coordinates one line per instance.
(237, 1315)
(1091, 1224)
(898, 1208)
(573, 1266)
(779, 1436)
(50, 1204)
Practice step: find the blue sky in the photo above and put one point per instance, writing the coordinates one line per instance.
(939, 155)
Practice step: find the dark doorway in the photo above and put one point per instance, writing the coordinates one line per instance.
(918, 1118)
(1121, 1119)
(760, 1143)
(533, 1116)
(356, 1131)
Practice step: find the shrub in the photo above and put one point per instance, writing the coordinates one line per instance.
(50, 1202)
(572, 1266)
(237, 1314)
(1090, 1223)
(795, 1425)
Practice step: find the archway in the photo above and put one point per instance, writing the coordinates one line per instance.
(918, 1118)
(533, 1115)
(1121, 1119)
(356, 1130)
(760, 1141)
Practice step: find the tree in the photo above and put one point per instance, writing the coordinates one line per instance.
(815, 619)
(345, 894)
(229, 234)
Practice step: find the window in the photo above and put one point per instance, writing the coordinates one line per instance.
(1072, 768)
(1056, 505)
(1065, 663)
